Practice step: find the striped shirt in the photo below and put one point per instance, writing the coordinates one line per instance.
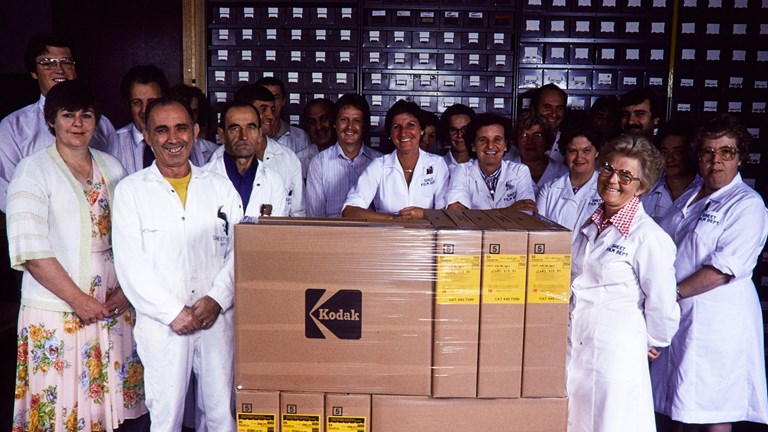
(330, 177)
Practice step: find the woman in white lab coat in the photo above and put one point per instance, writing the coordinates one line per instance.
(487, 181)
(405, 182)
(622, 297)
(716, 368)
(534, 138)
(570, 199)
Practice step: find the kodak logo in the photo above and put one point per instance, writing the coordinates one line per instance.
(325, 314)
(340, 314)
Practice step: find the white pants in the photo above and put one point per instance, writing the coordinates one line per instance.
(168, 360)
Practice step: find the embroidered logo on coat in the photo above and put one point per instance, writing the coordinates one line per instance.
(617, 249)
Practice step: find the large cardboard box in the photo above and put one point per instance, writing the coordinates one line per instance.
(547, 296)
(257, 411)
(324, 308)
(457, 313)
(302, 412)
(502, 308)
(347, 412)
(423, 414)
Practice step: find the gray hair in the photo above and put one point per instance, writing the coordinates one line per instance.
(640, 148)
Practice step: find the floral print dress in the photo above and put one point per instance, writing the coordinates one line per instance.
(76, 377)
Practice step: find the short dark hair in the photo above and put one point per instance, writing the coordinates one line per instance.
(529, 119)
(167, 101)
(71, 95)
(536, 94)
(679, 128)
(237, 104)
(326, 103)
(358, 102)
(188, 93)
(39, 44)
(482, 120)
(402, 106)
(684, 130)
(637, 96)
(725, 124)
(272, 81)
(143, 74)
(254, 92)
(429, 118)
(591, 133)
(445, 119)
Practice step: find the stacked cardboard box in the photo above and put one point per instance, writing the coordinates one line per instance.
(455, 324)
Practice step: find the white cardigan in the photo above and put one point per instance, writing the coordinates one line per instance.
(49, 217)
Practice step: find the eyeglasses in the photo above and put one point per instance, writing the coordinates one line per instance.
(725, 153)
(53, 63)
(625, 177)
(535, 137)
(456, 131)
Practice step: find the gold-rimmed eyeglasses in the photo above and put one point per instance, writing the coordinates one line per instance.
(53, 63)
(625, 177)
(726, 153)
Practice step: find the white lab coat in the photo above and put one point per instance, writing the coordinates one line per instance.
(468, 187)
(383, 183)
(658, 201)
(282, 160)
(716, 360)
(622, 301)
(167, 257)
(554, 170)
(556, 201)
(268, 187)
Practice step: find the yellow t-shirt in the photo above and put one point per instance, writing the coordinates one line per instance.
(180, 186)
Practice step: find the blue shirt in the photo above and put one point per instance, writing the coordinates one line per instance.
(243, 183)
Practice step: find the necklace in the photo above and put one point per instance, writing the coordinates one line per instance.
(409, 171)
(80, 175)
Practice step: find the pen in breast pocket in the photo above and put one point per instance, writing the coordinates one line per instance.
(223, 216)
(706, 206)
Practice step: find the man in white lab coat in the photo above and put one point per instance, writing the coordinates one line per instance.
(172, 225)
(277, 157)
(262, 189)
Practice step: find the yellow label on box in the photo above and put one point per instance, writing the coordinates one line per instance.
(345, 424)
(458, 279)
(300, 423)
(549, 278)
(504, 278)
(256, 422)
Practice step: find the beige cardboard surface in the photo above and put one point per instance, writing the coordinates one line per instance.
(502, 308)
(347, 412)
(457, 313)
(422, 414)
(302, 412)
(257, 411)
(297, 291)
(547, 295)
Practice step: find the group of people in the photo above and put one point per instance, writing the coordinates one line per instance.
(125, 239)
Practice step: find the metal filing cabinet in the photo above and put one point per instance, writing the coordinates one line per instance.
(311, 47)
(437, 55)
(592, 47)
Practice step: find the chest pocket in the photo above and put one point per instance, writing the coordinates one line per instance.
(154, 242)
(615, 263)
(709, 228)
(427, 186)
